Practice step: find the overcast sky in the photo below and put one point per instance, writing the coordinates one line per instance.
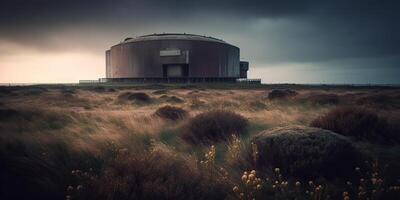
(285, 41)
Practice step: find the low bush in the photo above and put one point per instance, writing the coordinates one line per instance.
(171, 113)
(214, 126)
(305, 152)
(137, 97)
(356, 122)
(281, 94)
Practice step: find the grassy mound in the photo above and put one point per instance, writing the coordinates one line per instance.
(359, 123)
(158, 92)
(137, 97)
(171, 99)
(171, 113)
(305, 152)
(214, 126)
(281, 94)
(153, 175)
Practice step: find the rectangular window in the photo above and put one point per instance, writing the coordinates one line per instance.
(174, 52)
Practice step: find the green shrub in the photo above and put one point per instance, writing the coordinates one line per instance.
(171, 113)
(214, 126)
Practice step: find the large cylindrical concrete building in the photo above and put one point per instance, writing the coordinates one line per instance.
(173, 56)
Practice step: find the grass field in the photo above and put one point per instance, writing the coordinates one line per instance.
(210, 142)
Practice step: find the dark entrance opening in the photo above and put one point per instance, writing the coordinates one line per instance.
(175, 70)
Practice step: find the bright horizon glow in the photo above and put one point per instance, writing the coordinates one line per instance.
(67, 67)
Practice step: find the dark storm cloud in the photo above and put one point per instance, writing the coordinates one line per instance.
(269, 31)
(15, 15)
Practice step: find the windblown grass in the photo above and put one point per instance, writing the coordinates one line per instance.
(91, 143)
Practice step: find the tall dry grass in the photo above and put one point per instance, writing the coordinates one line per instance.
(73, 143)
